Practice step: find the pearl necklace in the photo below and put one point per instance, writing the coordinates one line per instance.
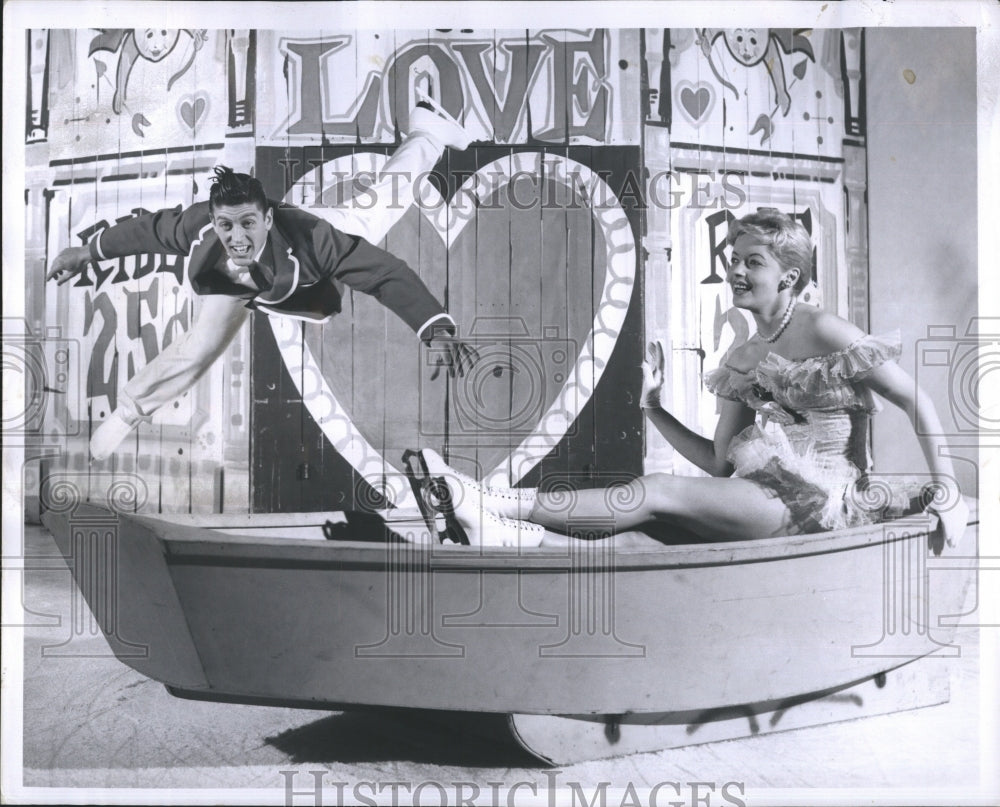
(784, 323)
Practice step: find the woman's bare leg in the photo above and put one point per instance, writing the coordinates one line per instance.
(713, 508)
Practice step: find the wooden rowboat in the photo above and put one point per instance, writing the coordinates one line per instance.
(594, 649)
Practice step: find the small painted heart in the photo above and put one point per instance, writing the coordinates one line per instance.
(192, 109)
(696, 102)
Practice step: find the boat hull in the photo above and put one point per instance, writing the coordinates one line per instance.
(244, 608)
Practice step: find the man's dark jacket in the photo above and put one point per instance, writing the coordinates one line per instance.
(298, 273)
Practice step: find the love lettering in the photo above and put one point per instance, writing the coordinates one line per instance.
(566, 81)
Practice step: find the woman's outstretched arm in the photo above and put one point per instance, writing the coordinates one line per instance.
(709, 455)
(899, 388)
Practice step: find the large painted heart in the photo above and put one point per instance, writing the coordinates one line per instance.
(487, 255)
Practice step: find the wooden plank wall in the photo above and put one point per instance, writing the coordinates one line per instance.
(124, 123)
(125, 120)
(511, 246)
(523, 285)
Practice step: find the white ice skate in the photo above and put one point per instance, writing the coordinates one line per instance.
(431, 119)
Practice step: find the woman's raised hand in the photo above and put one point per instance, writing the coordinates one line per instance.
(653, 375)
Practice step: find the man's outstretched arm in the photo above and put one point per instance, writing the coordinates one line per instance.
(171, 231)
(376, 272)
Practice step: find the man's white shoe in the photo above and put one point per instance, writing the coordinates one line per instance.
(438, 125)
(111, 432)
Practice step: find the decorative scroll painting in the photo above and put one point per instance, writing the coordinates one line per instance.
(769, 89)
(134, 89)
(121, 313)
(132, 121)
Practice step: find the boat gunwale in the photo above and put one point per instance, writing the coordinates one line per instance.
(186, 542)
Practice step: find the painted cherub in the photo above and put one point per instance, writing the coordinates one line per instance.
(751, 46)
(151, 44)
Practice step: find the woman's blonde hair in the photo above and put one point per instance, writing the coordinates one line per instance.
(787, 239)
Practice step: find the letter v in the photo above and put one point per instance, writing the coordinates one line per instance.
(523, 60)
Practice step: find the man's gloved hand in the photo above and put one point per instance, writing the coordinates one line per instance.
(447, 350)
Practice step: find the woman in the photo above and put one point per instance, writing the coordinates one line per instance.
(789, 453)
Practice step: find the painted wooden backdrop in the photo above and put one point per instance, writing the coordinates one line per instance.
(122, 122)
(740, 119)
(588, 215)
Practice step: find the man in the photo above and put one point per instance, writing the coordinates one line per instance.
(247, 253)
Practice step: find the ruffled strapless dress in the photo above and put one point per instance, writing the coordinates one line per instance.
(809, 445)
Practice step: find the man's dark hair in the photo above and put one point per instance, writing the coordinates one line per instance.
(230, 189)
